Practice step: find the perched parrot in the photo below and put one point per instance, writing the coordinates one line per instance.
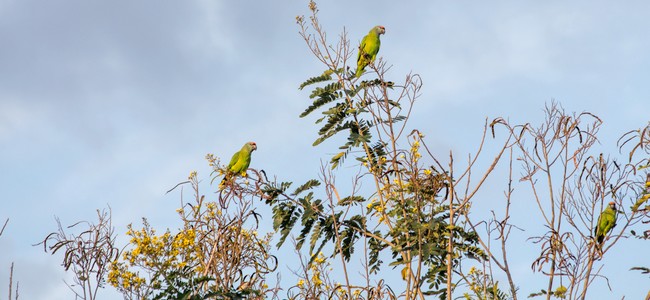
(606, 222)
(369, 48)
(240, 161)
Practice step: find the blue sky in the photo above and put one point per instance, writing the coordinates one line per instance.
(114, 102)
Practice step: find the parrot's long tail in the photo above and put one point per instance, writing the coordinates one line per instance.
(224, 181)
(359, 72)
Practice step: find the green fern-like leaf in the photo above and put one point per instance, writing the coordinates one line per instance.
(326, 90)
(332, 127)
(322, 100)
(323, 138)
(285, 216)
(326, 76)
(351, 200)
(316, 234)
(306, 186)
(375, 246)
(338, 158)
(348, 237)
(307, 224)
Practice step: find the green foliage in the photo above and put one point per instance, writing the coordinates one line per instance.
(217, 254)
(326, 76)
(410, 219)
(180, 284)
(345, 114)
(319, 227)
(483, 287)
(375, 246)
(425, 232)
(182, 290)
(559, 293)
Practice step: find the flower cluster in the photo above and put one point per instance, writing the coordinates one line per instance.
(154, 255)
(316, 283)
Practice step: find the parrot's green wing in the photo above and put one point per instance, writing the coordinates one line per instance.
(606, 222)
(234, 160)
(369, 48)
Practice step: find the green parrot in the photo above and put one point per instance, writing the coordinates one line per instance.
(240, 161)
(606, 222)
(369, 48)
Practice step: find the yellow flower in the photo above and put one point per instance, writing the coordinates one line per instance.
(371, 203)
(320, 258)
(316, 279)
(472, 270)
(405, 272)
(427, 172)
(301, 282)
